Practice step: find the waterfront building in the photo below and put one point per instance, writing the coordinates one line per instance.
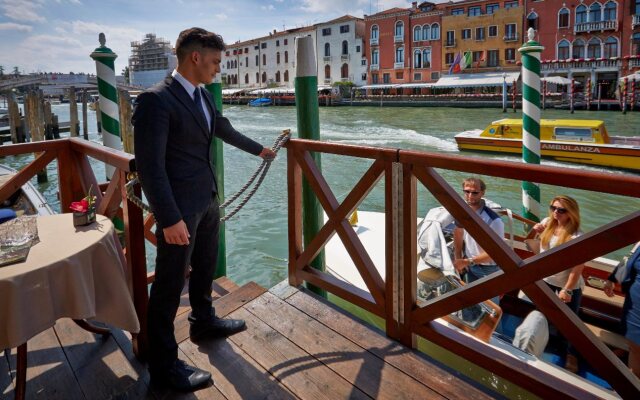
(339, 47)
(588, 40)
(151, 60)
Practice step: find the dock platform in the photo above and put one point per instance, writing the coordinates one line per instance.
(296, 346)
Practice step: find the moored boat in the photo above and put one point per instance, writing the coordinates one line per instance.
(260, 102)
(576, 141)
(26, 201)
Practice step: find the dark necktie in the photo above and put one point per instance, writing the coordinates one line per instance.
(197, 99)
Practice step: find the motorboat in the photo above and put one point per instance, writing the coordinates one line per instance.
(25, 201)
(570, 140)
(260, 102)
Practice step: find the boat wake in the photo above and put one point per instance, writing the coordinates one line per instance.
(386, 136)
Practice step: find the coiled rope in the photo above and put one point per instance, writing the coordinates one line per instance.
(259, 174)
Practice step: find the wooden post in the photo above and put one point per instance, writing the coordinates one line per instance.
(73, 113)
(15, 120)
(85, 127)
(98, 119)
(126, 129)
(48, 117)
(599, 94)
(55, 126)
(36, 125)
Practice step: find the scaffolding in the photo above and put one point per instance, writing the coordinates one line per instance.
(150, 54)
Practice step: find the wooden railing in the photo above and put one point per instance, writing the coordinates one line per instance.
(394, 297)
(75, 177)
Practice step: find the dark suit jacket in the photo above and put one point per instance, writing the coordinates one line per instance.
(172, 149)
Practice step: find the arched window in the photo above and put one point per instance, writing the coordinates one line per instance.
(578, 48)
(286, 57)
(435, 32)
(581, 14)
(277, 76)
(374, 57)
(595, 12)
(426, 58)
(399, 28)
(327, 50)
(327, 71)
(635, 43)
(532, 20)
(593, 48)
(563, 18)
(563, 49)
(611, 47)
(417, 59)
(344, 71)
(257, 77)
(374, 32)
(278, 58)
(246, 79)
(264, 59)
(257, 60)
(286, 76)
(417, 33)
(264, 77)
(345, 47)
(246, 62)
(426, 32)
(228, 65)
(610, 11)
(400, 54)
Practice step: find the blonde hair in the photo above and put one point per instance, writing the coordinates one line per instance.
(573, 211)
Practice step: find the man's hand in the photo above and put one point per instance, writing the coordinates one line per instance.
(460, 264)
(608, 288)
(177, 234)
(267, 154)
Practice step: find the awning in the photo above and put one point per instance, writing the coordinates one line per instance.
(385, 86)
(477, 80)
(559, 80)
(632, 77)
(276, 90)
(232, 91)
(414, 85)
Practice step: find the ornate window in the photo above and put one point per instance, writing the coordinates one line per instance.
(327, 50)
(417, 33)
(578, 48)
(595, 12)
(417, 59)
(532, 20)
(399, 28)
(581, 14)
(563, 18)
(610, 11)
(344, 71)
(400, 54)
(593, 48)
(611, 47)
(426, 32)
(426, 58)
(327, 71)
(374, 32)
(435, 31)
(345, 47)
(563, 49)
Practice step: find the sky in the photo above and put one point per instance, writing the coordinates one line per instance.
(59, 35)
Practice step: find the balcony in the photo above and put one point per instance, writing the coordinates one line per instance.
(596, 26)
(634, 63)
(450, 43)
(398, 39)
(373, 41)
(326, 58)
(374, 67)
(583, 64)
(345, 57)
(398, 65)
(635, 21)
(510, 38)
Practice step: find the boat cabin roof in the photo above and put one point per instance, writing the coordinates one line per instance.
(582, 123)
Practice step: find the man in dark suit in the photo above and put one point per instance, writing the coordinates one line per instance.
(174, 124)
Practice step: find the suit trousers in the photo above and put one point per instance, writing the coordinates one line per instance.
(172, 262)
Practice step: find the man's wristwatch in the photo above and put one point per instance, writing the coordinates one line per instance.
(567, 291)
(471, 262)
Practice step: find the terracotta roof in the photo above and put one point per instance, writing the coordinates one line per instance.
(346, 17)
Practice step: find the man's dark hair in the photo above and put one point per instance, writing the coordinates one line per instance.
(197, 39)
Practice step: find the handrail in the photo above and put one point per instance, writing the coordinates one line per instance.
(75, 178)
(394, 298)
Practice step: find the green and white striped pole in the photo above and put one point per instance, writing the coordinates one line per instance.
(105, 70)
(530, 52)
(306, 84)
(217, 156)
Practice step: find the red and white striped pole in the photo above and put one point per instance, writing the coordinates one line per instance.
(573, 91)
(544, 94)
(624, 96)
(588, 94)
(633, 94)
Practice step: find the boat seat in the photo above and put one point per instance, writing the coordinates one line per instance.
(7, 214)
(598, 294)
(609, 338)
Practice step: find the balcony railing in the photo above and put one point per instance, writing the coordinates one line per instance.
(450, 43)
(398, 39)
(345, 57)
(634, 63)
(374, 67)
(510, 38)
(555, 65)
(327, 81)
(596, 26)
(635, 21)
(373, 41)
(398, 65)
(327, 58)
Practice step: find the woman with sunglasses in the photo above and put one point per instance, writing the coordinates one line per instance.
(562, 225)
(627, 273)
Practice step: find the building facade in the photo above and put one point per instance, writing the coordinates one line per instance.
(151, 60)
(339, 48)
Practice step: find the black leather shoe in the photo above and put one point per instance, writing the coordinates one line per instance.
(181, 377)
(214, 327)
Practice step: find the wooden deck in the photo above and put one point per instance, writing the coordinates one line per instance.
(296, 347)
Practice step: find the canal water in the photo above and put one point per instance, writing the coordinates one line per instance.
(257, 235)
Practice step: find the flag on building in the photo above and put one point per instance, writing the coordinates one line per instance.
(455, 65)
(466, 61)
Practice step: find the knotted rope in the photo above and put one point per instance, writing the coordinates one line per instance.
(259, 174)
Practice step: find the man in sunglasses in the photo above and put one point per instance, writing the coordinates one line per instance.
(469, 256)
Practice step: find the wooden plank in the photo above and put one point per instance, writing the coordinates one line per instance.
(294, 226)
(298, 371)
(102, 370)
(224, 306)
(49, 375)
(234, 373)
(450, 384)
(283, 290)
(355, 364)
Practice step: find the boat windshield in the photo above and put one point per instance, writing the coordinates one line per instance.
(574, 134)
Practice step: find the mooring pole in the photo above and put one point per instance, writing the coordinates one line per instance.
(109, 114)
(624, 96)
(216, 155)
(306, 84)
(573, 91)
(588, 94)
(530, 53)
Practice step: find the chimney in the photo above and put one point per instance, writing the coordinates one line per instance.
(274, 31)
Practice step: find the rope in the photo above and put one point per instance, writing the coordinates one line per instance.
(260, 173)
